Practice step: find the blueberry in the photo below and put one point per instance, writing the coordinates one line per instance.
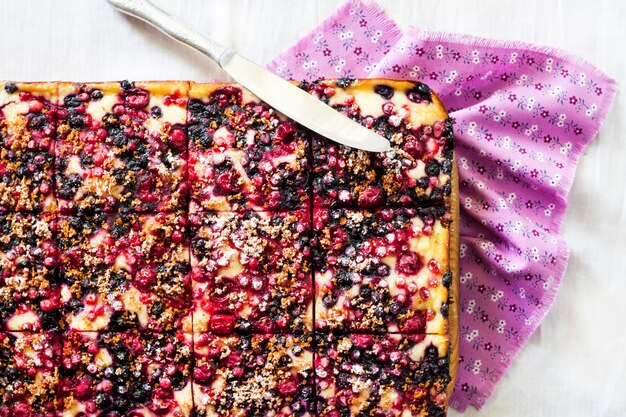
(139, 393)
(37, 121)
(328, 301)
(296, 350)
(344, 411)
(156, 112)
(178, 381)
(109, 372)
(423, 88)
(102, 401)
(10, 87)
(96, 95)
(126, 85)
(244, 326)
(432, 352)
(423, 183)
(77, 121)
(433, 410)
(120, 403)
(445, 310)
(200, 135)
(121, 356)
(377, 297)
(72, 100)
(157, 309)
(343, 380)
(383, 270)
(86, 160)
(446, 167)
(433, 168)
(344, 82)
(384, 91)
(344, 281)
(419, 92)
(447, 279)
(437, 194)
(365, 292)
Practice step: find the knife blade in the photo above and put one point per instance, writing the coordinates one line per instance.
(278, 93)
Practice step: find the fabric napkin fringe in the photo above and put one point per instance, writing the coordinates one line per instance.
(472, 40)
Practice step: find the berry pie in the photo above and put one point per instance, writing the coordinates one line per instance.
(418, 167)
(29, 374)
(125, 374)
(393, 375)
(183, 249)
(122, 147)
(123, 271)
(251, 272)
(27, 127)
(382, 271)
(29, 294)
(258, 375)
(243, 155)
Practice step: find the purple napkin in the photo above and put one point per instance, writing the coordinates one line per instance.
(523, 115)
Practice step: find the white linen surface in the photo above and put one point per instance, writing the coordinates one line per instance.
(572, 366)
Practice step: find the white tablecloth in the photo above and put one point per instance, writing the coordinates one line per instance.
(572, 366)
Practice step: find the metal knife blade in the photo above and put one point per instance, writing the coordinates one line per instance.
(278, 93)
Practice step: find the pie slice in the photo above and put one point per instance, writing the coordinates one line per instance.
(381, 271)
(125, 271)
(392, 375)
(122, 147)
(243, 155)
(29, 374)
(126, 374)
(260, 375)
(251, 272)
(27, 125)
(418, 167)
(29, 295)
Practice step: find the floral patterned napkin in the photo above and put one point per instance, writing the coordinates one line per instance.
(523, 115)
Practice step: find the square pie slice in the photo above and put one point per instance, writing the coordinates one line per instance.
(251, 272)
(243, 155)
(27, 126)
(29, 294)
(381, 271)
(122, 147)
(391, 375)
(418, 167)
(125, 271)
(29, 374)
(126, 374)
(258, 375)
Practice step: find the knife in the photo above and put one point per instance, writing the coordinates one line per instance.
(278, 93)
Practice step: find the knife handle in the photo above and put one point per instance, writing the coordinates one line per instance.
(148, 12)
